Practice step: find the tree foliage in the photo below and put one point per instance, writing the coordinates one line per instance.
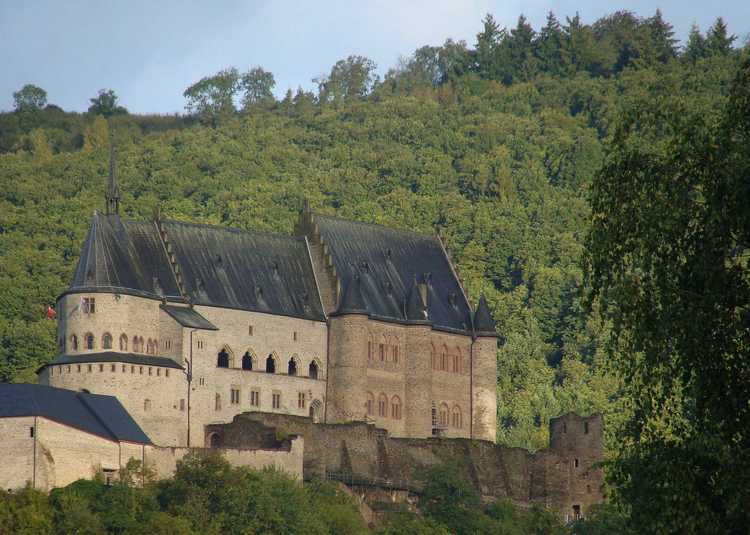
(105, 104)
(669, 259)
(29, 98)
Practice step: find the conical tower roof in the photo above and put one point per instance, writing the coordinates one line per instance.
(352, 302)
(484, 325)
(415, 309)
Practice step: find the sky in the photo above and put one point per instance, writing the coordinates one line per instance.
(150, 51)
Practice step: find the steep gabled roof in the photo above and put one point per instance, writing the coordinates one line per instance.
(256, 271)
(125, 255)
(103, 416)
(222, 267)
(387, 261)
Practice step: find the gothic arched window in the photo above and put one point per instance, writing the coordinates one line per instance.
(382, 406)
(313, 373)
(222, 359)
(270, 364)
(123, 342)
(370, 404)
(292, 367)
(247, 361)
(107, 341)
(74, 342)
(396, 408)
(456, 417)
(88, 340)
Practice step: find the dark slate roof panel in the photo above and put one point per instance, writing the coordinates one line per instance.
(115, 356)
(188, 317)
(124, 254)
(387, 261)
(103, 416)
(255, 271)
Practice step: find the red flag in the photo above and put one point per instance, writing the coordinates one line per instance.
(51, 313)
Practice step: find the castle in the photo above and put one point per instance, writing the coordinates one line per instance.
(189, 326)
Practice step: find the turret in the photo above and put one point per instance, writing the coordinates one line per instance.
(484, 373)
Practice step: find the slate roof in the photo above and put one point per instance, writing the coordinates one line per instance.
(256, 271)
(124, 255)
(188, 317)
(387, 261)
(103, 416)
(115, 356)
(483, 322)
(222, 267)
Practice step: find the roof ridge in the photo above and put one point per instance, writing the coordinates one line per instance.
(378, 225)
(233, 229)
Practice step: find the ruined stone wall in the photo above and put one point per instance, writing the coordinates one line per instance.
(63, 454)
(362, 454)
(289, 460)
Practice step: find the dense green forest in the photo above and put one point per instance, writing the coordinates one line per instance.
(496, 145)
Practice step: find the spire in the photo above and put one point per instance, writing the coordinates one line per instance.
(484, 325)
(415, 309)
(112, 195)
(352, 301)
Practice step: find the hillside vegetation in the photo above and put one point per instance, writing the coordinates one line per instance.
(495, 145)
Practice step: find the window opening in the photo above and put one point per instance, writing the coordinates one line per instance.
(313, 370)
(276, 400)
(247, 361)
(222, 359)
(292, 368)
(270, 364)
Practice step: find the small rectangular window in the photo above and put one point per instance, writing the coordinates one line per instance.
(101, 367)
(250, 330)
(140, 370)
(150, 371)
(255, 398)
(294, 337)
(158, 372)
(182, 404)
(124, 368)
(89, 368)
(301, 400)
(575, 463)
(234, 396)
(31, 432)
(114, 367)
(89, 305)
(382, 352)
(166, 372)
(585, 428)
(276, 400)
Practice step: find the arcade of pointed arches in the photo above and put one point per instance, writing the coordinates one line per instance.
(89, 342)
(271, 364)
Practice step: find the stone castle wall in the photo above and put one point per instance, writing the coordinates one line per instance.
(363, 454)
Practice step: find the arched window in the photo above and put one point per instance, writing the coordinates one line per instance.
(149, 346)
(382, 406)
(140, 344)
(123, 342)
(135, 344)
(316, 408)
(434, 358)
(222, 359)
(74, 342)
(370, 404)
(214, 440)
(313, 373)
(217, 402)
(396, 408)
(107, 341)
(456, 417)
(292, 367)
(247, 361)
(444, 359)
(395, 350)
(270, 364)
(88, 340)
(444, 415)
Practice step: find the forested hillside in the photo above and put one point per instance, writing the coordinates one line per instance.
(493, 144)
